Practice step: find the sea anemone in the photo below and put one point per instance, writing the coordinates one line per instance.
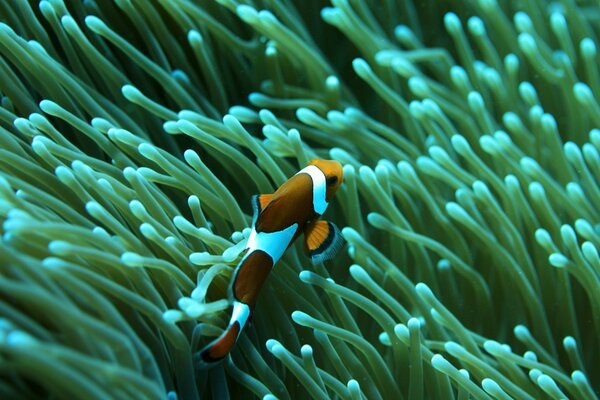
(133, 134)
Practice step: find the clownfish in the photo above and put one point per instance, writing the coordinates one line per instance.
(279, 218)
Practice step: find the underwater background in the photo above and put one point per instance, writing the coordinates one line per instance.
(134, 132)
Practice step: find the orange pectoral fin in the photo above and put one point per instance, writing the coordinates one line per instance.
(322, 240)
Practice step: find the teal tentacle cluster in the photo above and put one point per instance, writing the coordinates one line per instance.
(133, 134)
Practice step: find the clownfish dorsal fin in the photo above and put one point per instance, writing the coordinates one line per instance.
(322, 240)
(259, 203)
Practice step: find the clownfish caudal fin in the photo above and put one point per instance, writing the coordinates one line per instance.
(322, 241)
(259, 202)
(249, 277)
(219, 348)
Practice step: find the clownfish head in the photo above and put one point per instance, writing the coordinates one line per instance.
(302, 198)
(333, 175)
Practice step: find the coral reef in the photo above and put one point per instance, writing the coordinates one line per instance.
(133, 133)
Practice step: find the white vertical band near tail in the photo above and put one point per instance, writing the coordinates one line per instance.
(241, 313)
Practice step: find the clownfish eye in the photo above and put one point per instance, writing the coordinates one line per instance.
(332, 180)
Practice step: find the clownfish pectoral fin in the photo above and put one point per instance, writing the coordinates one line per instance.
(322, 241)
(259, 202)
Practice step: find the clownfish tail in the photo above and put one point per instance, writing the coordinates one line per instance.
(219, 348)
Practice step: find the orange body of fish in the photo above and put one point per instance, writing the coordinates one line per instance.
(279, 218)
